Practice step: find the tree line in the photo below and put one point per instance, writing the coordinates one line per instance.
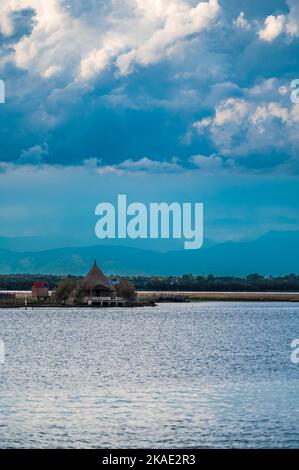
(187, 282)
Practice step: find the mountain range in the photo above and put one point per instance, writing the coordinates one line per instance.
(275, 253)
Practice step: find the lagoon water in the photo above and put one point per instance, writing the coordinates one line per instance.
(199, 375)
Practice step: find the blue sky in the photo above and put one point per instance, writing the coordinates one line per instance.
(174, 99)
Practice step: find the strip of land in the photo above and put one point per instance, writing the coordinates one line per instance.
(220, 296)
(145, 298)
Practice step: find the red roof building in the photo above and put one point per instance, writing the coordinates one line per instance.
(40, 290)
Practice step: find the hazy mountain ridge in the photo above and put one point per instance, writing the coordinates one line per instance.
(43, 243)
(275, 253)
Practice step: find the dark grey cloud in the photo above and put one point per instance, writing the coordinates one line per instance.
(22, 22)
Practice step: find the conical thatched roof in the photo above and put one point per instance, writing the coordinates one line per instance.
(95, 278)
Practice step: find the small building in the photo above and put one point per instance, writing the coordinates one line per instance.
(40, 290)
(97, 289)
(96, 285)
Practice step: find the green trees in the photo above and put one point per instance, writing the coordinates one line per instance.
(126, 290)
(64, 289)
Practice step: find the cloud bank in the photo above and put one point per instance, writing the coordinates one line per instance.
(147, 85)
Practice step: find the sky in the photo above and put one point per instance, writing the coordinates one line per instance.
(162, 100)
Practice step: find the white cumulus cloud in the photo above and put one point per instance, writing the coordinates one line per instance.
(258, 122)
(241, 22)
(273, 27)
(122, 33)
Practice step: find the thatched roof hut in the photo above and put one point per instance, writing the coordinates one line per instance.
(96, 284)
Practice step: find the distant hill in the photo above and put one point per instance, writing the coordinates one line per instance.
(276, 253)
(39, 243)
(42, 243)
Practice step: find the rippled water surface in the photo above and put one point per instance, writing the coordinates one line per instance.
(178, 375)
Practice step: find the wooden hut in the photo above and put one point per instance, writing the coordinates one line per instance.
(95, 286)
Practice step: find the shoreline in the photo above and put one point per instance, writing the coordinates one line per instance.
(34, 305)
(172, 296)
(151, 298)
